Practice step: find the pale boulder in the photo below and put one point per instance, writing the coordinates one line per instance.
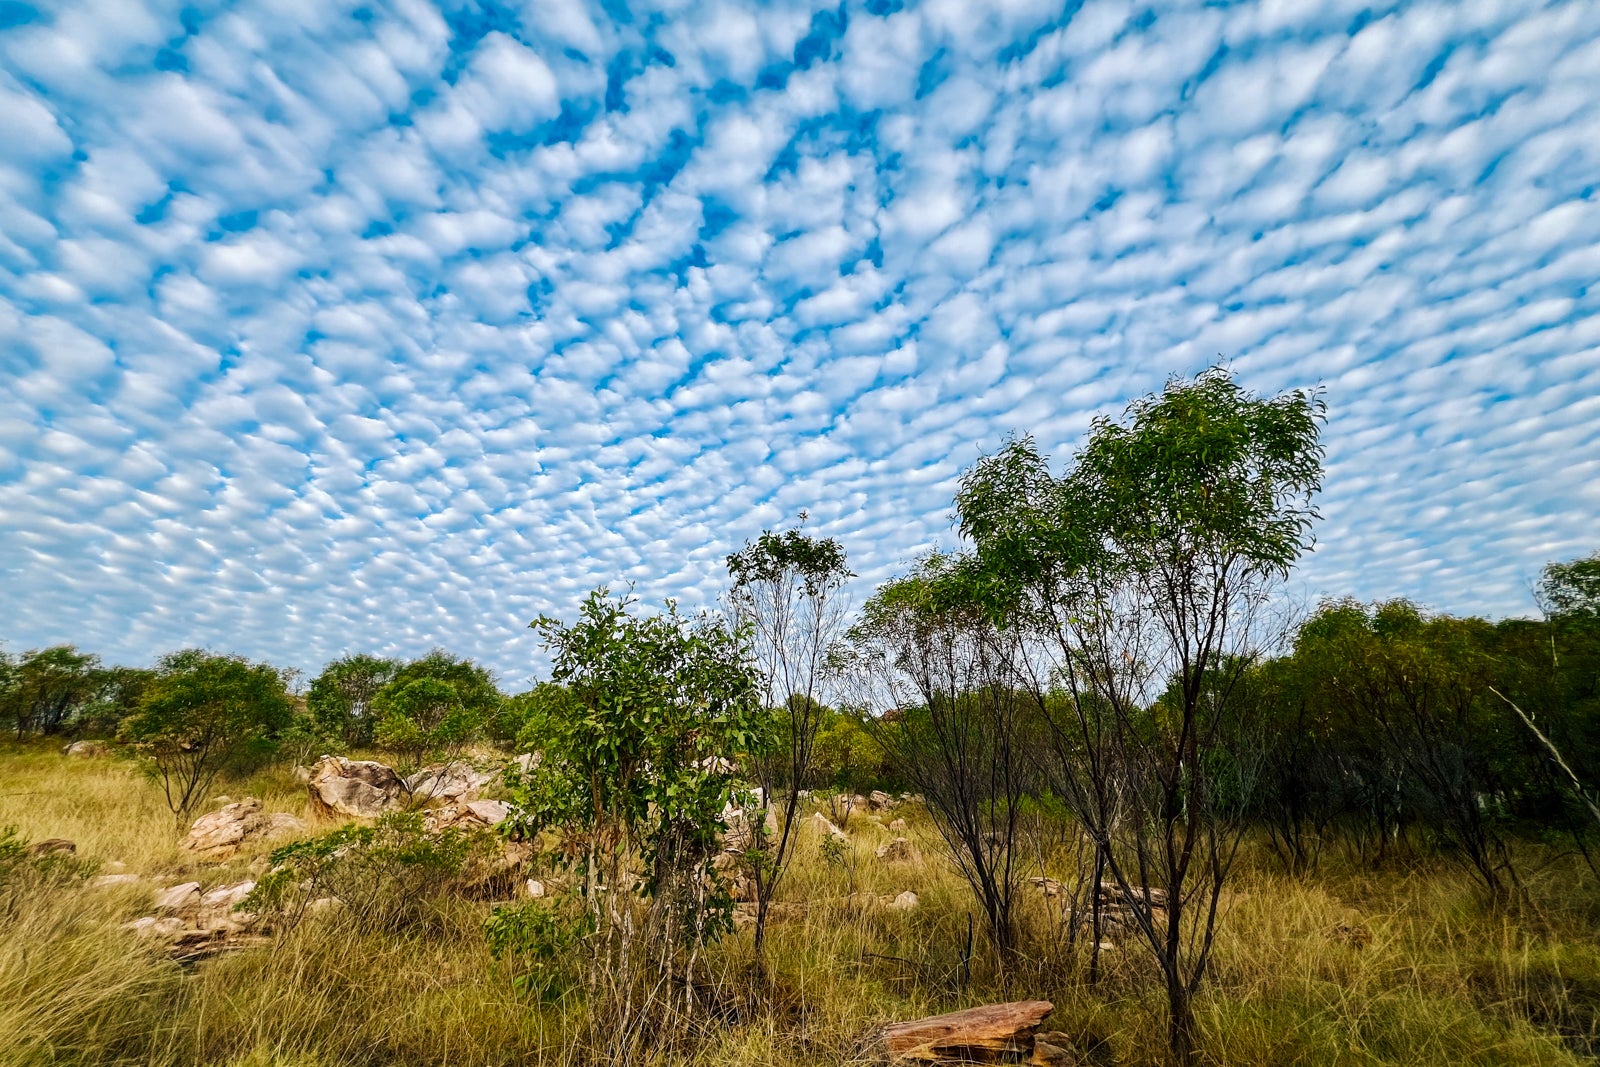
(179, 898)
(896, 851)
(825, 826)
(86, 749)
(222, 833)
(362, 789)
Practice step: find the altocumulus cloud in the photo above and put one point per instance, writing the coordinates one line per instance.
(331, 326)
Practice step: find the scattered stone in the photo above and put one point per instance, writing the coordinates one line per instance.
(52, 846)
(878, 800)
(222, 833)
(150, 926)
(362, 789)
(179, 897)
(528, 762)
(535, 888)
(825, 826)
(904, 902)
(897, 851)
(113, 881)
(492, 812)
(994, 1033)
(86, 749)
(227, 896)
(898, 826)
(1053, 1049)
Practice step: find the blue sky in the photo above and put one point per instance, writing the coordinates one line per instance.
(338, 326)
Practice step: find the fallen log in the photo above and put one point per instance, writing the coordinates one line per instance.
(993, 1033)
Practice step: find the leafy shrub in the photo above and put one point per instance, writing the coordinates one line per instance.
(388, 875)
(537, 941)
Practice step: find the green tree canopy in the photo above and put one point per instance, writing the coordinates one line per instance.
(340, 699)
(204, 714)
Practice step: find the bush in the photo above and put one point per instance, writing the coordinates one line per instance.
(388, 875)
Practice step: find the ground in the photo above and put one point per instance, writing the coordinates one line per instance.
(1351, 965)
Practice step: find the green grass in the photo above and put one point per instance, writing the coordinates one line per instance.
(1433, 978)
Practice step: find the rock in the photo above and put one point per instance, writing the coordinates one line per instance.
(1053, 1049)
(535, 888)
(52, 846)
(898, 826)
(447, 782)
(114, 881)
(362, 789)
(994, 1033)
(86, 749)
(896, 851)
(825, 826)
(227, 896)
(324, 906)
(878, 800)
(491, 812)
(528, 762)
(904, 902)
(222, 833)
(301, 773)
(150, 926)
(182, 897)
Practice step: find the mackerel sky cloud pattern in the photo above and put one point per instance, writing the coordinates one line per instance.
(331, 326)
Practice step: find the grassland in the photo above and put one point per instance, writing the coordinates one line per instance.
(1401, 965)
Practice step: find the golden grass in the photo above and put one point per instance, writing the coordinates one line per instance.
(1351, 967)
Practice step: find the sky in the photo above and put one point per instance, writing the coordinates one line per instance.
(333, 326)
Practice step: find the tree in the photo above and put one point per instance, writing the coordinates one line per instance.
(340, 698)
(787, 595)
(635, 779)
(939, 673)
(1571, 588)
(435, 706)
(205, 714)
(47, 687)
(1140, 577)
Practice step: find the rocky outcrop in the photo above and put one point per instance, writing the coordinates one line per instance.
(447, 783)
(195, 925)
(86, 749)
(222, 833)
(470, 815)
(361, 789)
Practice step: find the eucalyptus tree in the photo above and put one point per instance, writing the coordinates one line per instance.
(435, 706)
(937, 675)
(204, 714)
(787, 596)
(1142, 577)
(47, 687)
(340, 698)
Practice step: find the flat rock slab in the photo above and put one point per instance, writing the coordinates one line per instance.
(993, 1033)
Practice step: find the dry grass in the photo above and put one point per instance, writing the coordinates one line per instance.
(1351, 967)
